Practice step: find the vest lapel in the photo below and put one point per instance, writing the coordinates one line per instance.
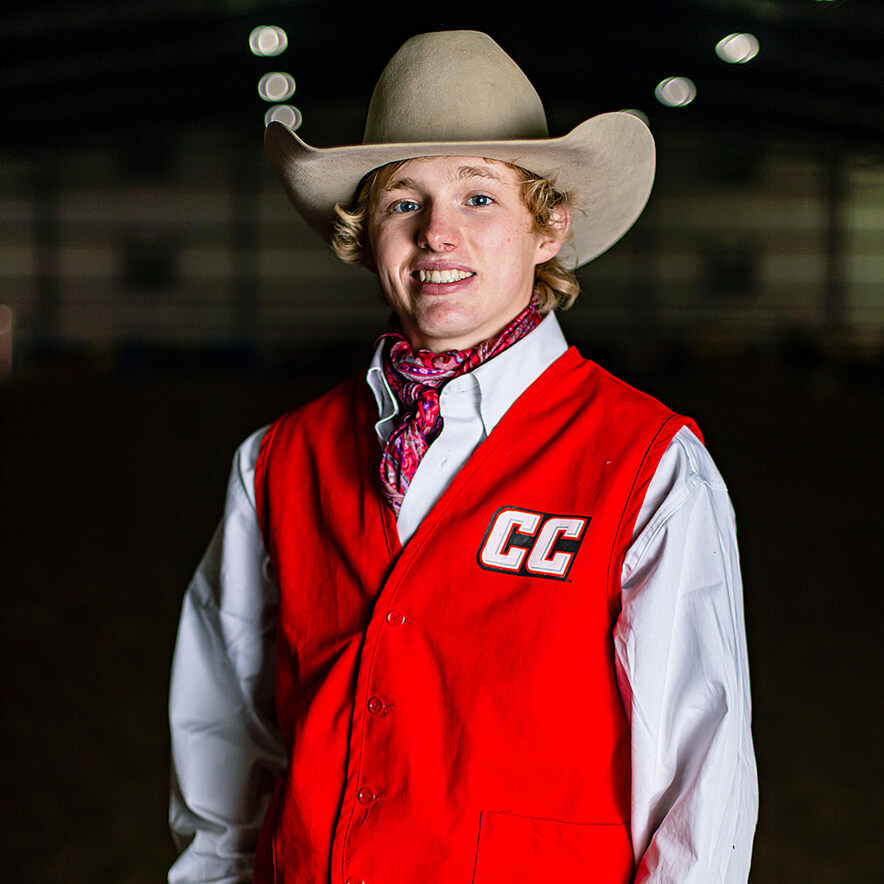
(507, 424)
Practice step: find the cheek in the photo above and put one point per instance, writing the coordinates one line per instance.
(394, 289)
(390, 250)
(521, 255)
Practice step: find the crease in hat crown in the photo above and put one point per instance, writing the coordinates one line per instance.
(457, 93)
(427, 92)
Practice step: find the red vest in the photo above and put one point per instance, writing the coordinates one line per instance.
(450, 710)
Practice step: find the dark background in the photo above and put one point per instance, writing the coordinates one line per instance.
(78, 69)
(111, 480)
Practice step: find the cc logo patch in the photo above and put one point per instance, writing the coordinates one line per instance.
(531, 544)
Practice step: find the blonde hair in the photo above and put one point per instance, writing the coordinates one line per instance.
(555, 285)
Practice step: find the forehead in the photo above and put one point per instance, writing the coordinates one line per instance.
(442, 170)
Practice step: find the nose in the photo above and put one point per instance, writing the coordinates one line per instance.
(438, 230)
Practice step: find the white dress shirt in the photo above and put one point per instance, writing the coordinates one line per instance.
(679, 644)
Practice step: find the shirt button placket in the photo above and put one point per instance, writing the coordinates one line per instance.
(366, 796)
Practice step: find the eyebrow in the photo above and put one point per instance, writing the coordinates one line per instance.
(464, 173)
(400, 184)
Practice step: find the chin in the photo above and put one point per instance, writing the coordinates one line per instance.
(445, 328)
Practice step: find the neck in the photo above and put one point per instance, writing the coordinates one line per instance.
(420, 341)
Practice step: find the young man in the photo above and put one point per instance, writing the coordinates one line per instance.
(475, 617)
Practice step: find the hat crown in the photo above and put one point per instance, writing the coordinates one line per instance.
(453, 86)
(458, 93)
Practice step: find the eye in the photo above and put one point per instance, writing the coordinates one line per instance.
(480, 199)
(403, 206)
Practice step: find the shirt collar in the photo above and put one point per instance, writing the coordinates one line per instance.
(501, 380)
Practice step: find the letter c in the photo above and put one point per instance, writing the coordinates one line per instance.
(494, 553)
(540, 561)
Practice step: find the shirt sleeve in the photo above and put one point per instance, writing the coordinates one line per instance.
(226, 747)
(681, 660)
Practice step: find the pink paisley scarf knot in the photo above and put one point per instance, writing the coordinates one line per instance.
(417, 379)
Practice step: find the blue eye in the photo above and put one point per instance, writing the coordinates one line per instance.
(480, 199)
(404, 206)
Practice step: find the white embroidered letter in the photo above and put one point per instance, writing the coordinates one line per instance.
(555, 528)
(494, 552)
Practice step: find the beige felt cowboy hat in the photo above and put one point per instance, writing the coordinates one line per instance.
(457, 93)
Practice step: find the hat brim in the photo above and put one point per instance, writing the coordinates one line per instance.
(607, 163)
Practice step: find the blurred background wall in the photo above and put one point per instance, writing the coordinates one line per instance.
(190, 244)
(159, 300)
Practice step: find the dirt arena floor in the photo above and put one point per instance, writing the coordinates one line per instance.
(109, 490)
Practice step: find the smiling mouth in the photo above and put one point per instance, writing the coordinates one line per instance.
(443, 275)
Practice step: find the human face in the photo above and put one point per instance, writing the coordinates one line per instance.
(454, 247)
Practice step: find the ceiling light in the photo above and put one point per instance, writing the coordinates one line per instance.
(675, 91)
(268, 40)
(737, 48)
(635, 112)
(276, 86)
(283, 113)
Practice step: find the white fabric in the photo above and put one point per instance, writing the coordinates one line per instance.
(471, 406)
(679, 645)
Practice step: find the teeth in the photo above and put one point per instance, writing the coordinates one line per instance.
(442, 275)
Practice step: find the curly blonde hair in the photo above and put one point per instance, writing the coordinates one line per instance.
(555, 285)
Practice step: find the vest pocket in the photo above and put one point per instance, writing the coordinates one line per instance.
(527, 850)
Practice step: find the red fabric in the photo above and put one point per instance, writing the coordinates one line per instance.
(446, 720)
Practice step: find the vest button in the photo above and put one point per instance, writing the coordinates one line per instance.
(376, 705)
(352, 880)
(394, 618)
(366, 796)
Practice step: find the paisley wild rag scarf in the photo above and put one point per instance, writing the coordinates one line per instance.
(416, 380)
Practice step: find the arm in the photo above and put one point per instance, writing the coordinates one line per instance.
(680, 651)
(226, 749)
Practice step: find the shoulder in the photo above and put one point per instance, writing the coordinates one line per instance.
(686, 495)
(596, 387)
(241, 487)
(342, 404)
(686, 462)
(248, 454)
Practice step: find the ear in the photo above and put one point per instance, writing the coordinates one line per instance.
(550, 244)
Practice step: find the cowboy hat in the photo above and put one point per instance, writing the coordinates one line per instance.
(457, 93)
